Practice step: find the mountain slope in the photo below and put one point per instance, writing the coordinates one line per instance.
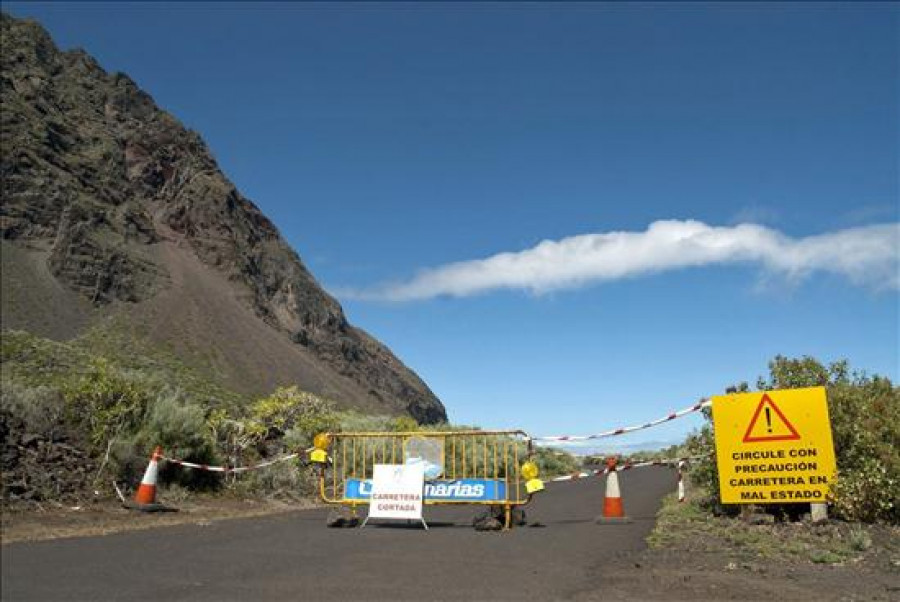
(113, 210)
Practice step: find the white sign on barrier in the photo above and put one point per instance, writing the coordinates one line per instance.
(397, 491)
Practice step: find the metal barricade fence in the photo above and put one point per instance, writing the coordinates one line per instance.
(461, 467)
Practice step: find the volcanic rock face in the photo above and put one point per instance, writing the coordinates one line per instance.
(111, 205)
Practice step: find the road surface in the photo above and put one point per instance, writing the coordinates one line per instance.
(293, 556)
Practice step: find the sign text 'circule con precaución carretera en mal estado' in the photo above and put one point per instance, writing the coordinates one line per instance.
(774, 446)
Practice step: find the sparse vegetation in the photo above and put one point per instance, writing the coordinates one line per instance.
(114, 407)
(765, 539)
(115, 399)
(860, 540)
(40, 408)
(672, 452)
(552, 463)
(689, 527)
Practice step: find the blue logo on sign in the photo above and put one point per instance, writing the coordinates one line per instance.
(462, 490)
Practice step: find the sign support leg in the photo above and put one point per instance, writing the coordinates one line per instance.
(818, 512)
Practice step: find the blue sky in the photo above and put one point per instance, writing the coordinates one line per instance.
(388, 139)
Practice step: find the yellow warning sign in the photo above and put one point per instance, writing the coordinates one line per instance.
(774, 446)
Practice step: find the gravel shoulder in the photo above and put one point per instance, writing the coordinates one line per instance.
(695, 556)
(56, 521)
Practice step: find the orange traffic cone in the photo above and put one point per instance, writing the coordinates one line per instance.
(146, 493)
(613, 511)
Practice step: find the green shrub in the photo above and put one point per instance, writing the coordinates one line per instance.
(285, 480)
(703, 470)
(860, 540)
(106, 402)
(404, 424)
(825, 557)
(41, 409)
(865, 418)
(179, 426)
(290, 409)
(867, 493)
(350, 421)
(114, 396)
(34, 361)
(553, 462)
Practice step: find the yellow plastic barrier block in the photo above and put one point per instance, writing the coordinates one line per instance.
(534, 485)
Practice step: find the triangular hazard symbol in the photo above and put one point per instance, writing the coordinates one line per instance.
(769, 424)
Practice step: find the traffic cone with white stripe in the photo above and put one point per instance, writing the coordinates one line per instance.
(146, 493)
(613, 510)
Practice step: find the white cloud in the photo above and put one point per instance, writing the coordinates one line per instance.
(866, 256)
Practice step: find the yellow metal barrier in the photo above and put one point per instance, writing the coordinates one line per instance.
(461, 467)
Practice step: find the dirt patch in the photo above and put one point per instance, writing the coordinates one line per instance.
(678, 574)
(53, 521)
(696, 556)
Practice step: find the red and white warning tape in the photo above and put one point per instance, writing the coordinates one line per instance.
(679, 462)
(630, 465)
(664, 462)
(227, 469)
(629, 429)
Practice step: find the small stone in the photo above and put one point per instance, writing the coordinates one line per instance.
(335, 519)
(351, 522)
(340, 519)
(488, 523)
(761, 519)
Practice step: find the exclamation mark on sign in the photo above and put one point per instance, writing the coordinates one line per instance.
(769, 419)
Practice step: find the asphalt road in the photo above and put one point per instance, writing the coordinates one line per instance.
(293, 556)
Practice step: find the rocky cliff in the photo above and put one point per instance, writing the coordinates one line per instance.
(112, 209)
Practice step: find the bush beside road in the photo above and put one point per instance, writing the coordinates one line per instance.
(77, 416)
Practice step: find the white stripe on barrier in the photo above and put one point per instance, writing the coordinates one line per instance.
(575, 477)
(628, 429)
(227, 469)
